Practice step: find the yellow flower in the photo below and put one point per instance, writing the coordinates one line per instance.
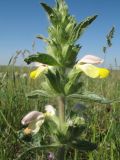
(36, 125)
(40, 69)
(103, 72)
(50, 110)
(93, 71)
(85, 65)
(34, 120)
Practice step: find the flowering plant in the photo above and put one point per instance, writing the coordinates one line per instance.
(62, 72)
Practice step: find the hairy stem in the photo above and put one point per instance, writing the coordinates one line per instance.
(75, 155)
(61, 111)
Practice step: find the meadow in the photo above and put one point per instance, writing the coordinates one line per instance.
(103, 121)
(60, 107)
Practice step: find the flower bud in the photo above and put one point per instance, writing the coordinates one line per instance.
(50, 110)
(31, 116)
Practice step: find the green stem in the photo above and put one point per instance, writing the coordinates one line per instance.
(75, 155)
(61, 154)
(61, 112)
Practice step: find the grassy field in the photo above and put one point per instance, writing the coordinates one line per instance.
(103, 121)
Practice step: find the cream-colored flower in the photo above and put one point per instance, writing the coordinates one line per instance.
(34, 120)
(50, 110)
(85, 65)
(90, 59)
(41, 68)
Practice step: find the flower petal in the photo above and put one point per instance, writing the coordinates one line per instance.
(93, 71)
(89, 70)
(50, 110)
(91, 59)
(35, 125)
(42, 67)
(38, 64)
(103, 72)
(32, 116)
(34, 74)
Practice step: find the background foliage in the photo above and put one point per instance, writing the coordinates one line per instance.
(103, 120)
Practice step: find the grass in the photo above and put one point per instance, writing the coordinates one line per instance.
(103, 121)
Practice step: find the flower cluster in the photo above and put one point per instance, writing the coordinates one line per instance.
(84, 65)
(35, 119)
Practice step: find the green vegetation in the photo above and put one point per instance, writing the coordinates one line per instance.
(103, 121)
(79, 121)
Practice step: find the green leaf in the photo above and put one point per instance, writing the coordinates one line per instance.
(42, 38)
(73, 84)
(23, 137)
(89, 96)
(55, 50)
(74, 132)
(47, 87)
(51, 13)
(55, 80)
(83, 145)
(37, 93)
(70, 53)
(79, 29)
(51, 124)
(73, 87)
(47, 8)
(41, 58)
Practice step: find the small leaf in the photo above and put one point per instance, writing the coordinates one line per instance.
(52, 124)
(73, 87)
(71, 54)
(41, 58)
(74, 132)
(73, 84)
(22, 136)
(37, 93)
(47, 8)
(89, 96)
(83, 145)
(49, 89)
(51, 13)
(55, 80)
(79, 29)
(42, 38)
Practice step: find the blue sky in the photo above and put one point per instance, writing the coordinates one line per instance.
(21, 21)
